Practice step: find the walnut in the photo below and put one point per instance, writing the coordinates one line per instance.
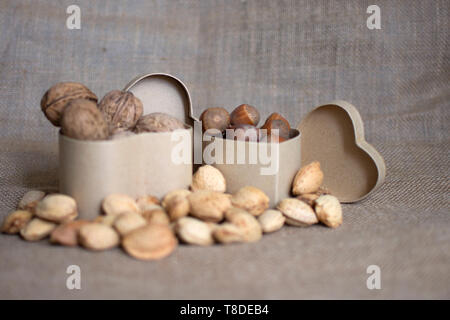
(83, 120)
(158, 122)
(57, 97)
(121, 109)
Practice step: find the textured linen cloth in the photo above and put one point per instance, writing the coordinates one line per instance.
(284, 56)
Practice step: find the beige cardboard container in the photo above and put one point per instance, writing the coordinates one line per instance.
(275, 183)
(332, 134)
(135, 165)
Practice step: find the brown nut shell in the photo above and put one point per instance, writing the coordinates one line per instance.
(245, 114)
(121, 109)
(158, 122)
(57, 97)
(83, 120)
(215, 118)
(277, 127)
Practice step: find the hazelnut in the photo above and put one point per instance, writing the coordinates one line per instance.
(121, 109)
(83, 120)
(276, 116)
(278, 127)
(215, 118)
(251, 199)
(57, 97)
(245, 114)
(208, 178)
(308, 179)
(242, 132)
(158, 122)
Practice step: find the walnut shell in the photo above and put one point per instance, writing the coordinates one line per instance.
(83, 120)
(57, 97)
(121, 109)
(158, 122)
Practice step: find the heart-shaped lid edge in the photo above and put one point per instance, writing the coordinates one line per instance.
(163, 92)
(333, 172)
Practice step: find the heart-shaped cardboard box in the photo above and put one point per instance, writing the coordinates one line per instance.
(141, 164)
(333, 134)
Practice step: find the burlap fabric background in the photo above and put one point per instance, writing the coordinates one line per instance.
(286, 56)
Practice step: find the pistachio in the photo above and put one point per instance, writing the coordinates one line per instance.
(128, 222)
(30, 200)
(57, 208)
(329, 211)
(37, 229)
(66, 234)
(308, 179)
(151, 242)
(271, 220)
(97, 236)
(116, 203)
(208, 178)
(297, 212)
(251, 199)
(209, 205)
(194, 231)
(228, 233)
(251, 229)
(16, 221)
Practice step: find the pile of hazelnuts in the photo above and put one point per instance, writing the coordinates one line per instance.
(242, 124)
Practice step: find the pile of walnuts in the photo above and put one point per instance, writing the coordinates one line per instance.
(74, 108)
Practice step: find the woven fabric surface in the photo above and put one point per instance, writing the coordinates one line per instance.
(284, 56)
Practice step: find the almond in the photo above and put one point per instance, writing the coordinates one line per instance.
(209, 206)
(329, 211)
(128, 222)
(30, 200)
(57, 208)
(66, 234)
(228, 233)
(37, 229)
(179, 192)
(251, 229)
(208, 178)
(177, 207)
(251, 199)
(297, 212)
(16, 221)
(271, 220)
(151, 242)
(194, 231)
(97, 236)
(308, 179)
(115, 204)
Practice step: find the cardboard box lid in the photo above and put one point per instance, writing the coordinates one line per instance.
(333, 134)
(162, 92)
